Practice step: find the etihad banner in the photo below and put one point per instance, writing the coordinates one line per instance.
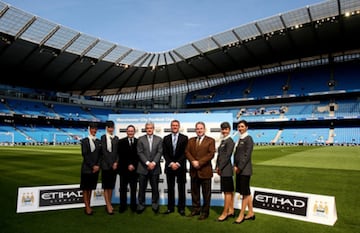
(301, 206)
(295, 205)
(32, 199)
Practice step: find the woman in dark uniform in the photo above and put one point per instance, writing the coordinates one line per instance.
(90, 151)
(243, 170)
(225, 171)
(109, 164)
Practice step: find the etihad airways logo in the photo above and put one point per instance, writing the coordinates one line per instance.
(281, 203)
(60, 197)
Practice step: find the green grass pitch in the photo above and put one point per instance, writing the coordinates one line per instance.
(331, 171)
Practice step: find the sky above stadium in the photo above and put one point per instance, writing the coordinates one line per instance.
(155, 25)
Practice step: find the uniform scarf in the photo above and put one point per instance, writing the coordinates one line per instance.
(92, 141)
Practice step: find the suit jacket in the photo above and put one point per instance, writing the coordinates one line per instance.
(127, 155)
(204, 153)
(223, 161)
(143, 151)
(242, 155)
(90, 159)
(175, 157)
(109, 158)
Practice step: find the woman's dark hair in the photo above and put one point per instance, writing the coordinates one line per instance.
(225, 125)
(244, 122)
(93, 125)
(109, 124)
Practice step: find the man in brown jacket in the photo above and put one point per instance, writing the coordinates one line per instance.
(200, 151)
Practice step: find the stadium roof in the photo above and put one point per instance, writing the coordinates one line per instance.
(42, 54)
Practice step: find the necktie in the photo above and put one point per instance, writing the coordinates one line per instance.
(174, 143)
(150, 142)
(198, 141)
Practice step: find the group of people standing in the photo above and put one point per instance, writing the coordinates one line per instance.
(137, 161)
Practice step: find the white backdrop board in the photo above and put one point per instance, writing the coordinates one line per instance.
(162, 128)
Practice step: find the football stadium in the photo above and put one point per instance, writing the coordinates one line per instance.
(294, 77)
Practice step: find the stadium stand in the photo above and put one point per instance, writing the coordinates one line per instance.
(305, 89)
(347, 135)
(352, 82)
(307, 82)
(306, 136)
(32, 133)
(273, 83)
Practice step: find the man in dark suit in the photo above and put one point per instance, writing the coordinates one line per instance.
(200, 151)
(149, 149)
(174, 146)
(128, 162)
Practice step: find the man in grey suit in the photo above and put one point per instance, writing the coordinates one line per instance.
(149, 149)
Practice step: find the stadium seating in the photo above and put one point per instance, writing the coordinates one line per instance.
(309, 81)
(273, 84)
(313, 135)
(347, 135)
(6, 135)
(270, 86)
(347, 108)
(263, 135)
(306, 82)
(27, 107)
(345, 72)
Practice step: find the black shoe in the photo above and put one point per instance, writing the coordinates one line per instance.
(231, 215)
(193, 213)
(109, 212)
(182, 212)
(133, 208)
(250, 218)
(140, 211)
(156, 211)
(203, 217)
(168, 212)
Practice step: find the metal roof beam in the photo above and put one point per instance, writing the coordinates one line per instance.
(111, 80)
(68, 44)
(246, 48)
(123, 56)
(138, 59)
(25, 27)
(208, 59)
(107, 52)
(3, 11)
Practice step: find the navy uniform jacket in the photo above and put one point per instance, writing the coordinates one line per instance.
(90, 159)
(109, 158)
(242, 156)
(225, 152)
